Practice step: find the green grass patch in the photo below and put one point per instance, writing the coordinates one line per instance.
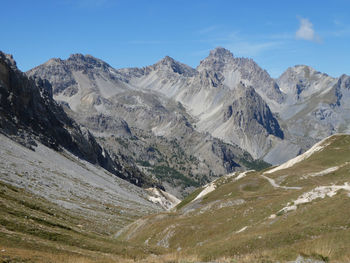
(189, 198)
(256, 165)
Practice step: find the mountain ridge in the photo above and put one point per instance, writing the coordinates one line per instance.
(209, 95)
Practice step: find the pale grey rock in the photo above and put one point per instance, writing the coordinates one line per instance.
(209, 92)
(141, 106)
(316, 104)
(88, 191)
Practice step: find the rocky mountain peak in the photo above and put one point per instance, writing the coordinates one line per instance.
(77, 56)
(302, 72)
(217, 60)
(54, 61)
(87, 60)
(299, 78)
(220, 53)
(167, 63)
(167, 60)
(9, 59)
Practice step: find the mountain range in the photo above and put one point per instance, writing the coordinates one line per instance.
(207, 121)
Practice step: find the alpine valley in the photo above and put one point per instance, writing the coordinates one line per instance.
(169, 163)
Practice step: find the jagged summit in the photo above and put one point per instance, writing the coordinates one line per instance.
(167, 60)
(175, 66)
(220, 52)
(87, 60)
(303, 70)
(299, 78)
(8, 58)
(81, 57)
(217, 60)
(76, 56)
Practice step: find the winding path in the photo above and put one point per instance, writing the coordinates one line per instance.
(274, 184)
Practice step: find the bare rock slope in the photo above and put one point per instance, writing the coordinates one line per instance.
(28, 113)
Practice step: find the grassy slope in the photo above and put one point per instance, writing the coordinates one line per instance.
(35, 230)
(320, 229)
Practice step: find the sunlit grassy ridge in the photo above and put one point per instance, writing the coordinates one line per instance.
(242, 219)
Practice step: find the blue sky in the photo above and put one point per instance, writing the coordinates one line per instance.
(135, 33)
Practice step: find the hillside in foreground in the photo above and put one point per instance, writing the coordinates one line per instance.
(298, 209)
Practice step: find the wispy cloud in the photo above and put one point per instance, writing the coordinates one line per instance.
(306, 31)
(207, 30)
(237, 42)
(341, 29)
(248, 48)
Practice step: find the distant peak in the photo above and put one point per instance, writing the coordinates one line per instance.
(54, 60)
(220, 52)
(175, 66)
(167, 61)
(217, 59)
(77, 56)
(87, 59)
(304, 70)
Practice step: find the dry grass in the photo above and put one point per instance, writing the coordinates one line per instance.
(9, 254)
(30, 232)
(35, 230)
(319, 230)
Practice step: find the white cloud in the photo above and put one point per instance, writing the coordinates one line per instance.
(306, 31)
(247, 48)
(207, 30)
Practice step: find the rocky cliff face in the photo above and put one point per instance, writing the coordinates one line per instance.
(29, 113)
